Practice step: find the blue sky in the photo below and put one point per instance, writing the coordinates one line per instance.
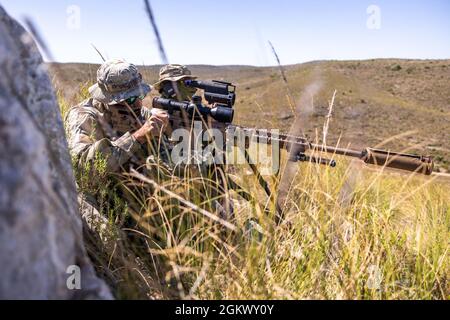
(236, 32)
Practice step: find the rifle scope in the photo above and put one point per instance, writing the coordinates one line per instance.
(195, 109)
(215, 91)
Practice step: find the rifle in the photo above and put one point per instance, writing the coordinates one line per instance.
(396, 160)
(221, 96)
(219, 115)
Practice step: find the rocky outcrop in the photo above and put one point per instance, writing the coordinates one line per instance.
(41, 244)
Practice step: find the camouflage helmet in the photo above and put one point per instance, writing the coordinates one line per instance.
(118, 80)
(173, 72)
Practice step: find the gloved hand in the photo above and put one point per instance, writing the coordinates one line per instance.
(153, 127)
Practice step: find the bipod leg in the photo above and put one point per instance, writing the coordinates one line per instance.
(263, 183)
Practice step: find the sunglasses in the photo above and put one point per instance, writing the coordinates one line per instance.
(132, 100)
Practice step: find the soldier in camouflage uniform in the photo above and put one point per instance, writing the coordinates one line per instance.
(171, 86)
(171, 82)
(114, 125)
(113, 122)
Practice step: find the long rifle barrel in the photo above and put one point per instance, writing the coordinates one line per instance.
(403, 161)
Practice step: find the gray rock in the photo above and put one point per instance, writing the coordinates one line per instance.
(40, 228)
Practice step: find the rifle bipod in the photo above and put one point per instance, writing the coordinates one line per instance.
(263, 183)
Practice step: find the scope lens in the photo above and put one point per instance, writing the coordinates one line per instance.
(222, 114)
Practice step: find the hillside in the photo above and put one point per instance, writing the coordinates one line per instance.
(375, 100)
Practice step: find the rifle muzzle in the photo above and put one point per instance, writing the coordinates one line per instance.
(404, 161)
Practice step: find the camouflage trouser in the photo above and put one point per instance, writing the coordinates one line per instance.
(160, 170)
(96, 222)
(92, 208)
(166, 170)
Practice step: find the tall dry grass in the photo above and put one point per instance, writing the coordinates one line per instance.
(389, 242)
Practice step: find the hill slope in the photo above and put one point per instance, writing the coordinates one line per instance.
(375, 100)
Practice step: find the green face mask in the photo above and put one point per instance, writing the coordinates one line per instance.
(185, 92)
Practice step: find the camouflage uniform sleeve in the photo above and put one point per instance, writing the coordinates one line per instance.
(165, 147)
(86, 142)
